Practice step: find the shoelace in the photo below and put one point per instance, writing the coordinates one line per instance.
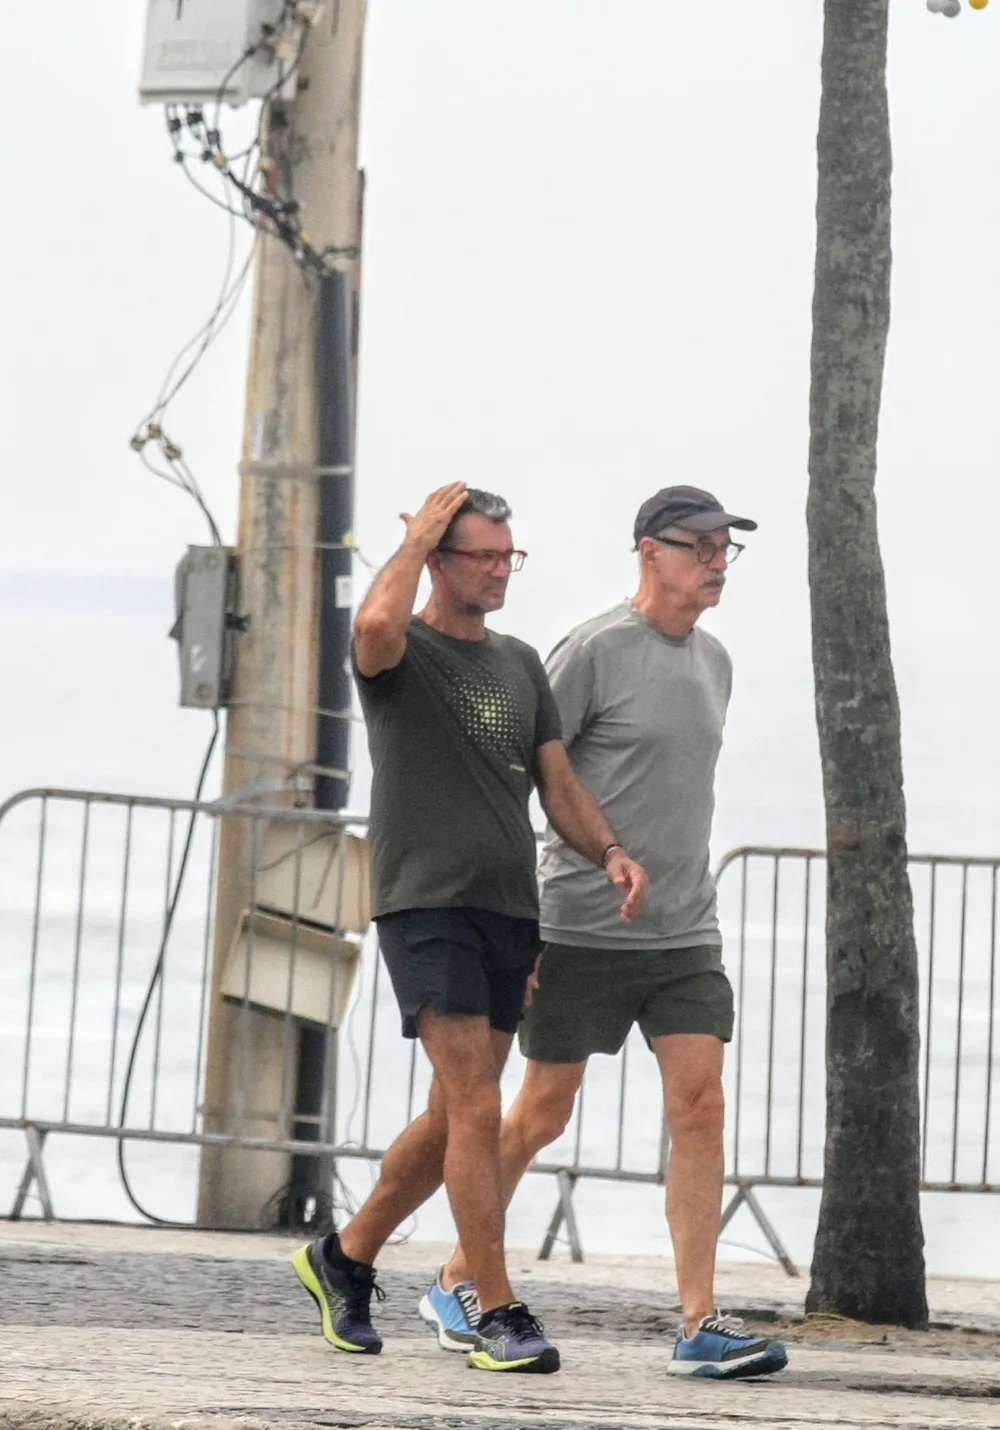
(519, 1320)
(469, 1302)
(364, 1285)
(727, 1326)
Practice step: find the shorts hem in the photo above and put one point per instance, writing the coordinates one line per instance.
(561, 1058)
(687, 1032)
(410, 1021)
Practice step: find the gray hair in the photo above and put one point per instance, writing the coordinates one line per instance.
(477, 503)
(671, 531)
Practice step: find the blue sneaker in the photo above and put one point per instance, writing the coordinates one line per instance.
(343, 1291)
(722, 1349)
(510, 1338)
(454, 1313)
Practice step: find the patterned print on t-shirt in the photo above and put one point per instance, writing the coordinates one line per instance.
(487, 712)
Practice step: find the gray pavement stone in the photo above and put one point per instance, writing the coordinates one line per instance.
(117, 1329)
(265, 1297)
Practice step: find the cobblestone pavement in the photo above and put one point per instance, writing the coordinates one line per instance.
(104, 1329)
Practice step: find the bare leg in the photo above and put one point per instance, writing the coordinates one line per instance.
(412, 1170)
(538, 1116)
(691, 1067)
(461, 1053)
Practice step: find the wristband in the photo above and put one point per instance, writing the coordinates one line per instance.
(608, 849)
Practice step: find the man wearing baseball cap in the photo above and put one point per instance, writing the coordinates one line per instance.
(642, 693)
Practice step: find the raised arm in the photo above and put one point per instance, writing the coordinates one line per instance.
(384, 616)
(576, 817)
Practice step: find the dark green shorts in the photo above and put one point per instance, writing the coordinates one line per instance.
(587, 999)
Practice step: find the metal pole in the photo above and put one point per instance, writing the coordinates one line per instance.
(312, 1176)
(335, 441)
(271, 729)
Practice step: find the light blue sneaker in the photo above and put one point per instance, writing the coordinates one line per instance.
(723, 1349)
(454, 1314)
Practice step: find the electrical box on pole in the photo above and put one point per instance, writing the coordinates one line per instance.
(225, 51)
(206, 625)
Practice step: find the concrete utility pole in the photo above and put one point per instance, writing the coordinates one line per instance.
(271, 730)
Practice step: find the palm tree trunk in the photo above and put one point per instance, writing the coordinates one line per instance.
(868, 1259)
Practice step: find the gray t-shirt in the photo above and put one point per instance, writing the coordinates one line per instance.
(642, 715)
(453, 731)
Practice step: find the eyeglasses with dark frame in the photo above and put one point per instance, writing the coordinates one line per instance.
(487, 559)
(705, 550)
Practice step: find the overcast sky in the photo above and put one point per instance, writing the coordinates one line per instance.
(588, 269)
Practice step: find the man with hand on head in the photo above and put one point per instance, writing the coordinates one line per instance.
(642, 693)
(461, 727)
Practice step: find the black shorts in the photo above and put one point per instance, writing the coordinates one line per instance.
(467, 961)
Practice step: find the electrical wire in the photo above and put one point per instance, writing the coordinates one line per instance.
(179, 477)
(229, 293)
(326, 1205)
(263, 208)
(258, 198)
(151, 430)
(277, 1206)
(156, 978)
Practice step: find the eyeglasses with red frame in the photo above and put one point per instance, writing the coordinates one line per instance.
(486, 560)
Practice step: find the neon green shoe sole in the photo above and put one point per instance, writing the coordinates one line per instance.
(545, 1364)
(302, 1263)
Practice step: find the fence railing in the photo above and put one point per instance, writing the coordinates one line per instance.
(106, 966)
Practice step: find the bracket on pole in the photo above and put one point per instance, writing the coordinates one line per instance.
(745, 1193)
(34, 1171)
(564, 1212)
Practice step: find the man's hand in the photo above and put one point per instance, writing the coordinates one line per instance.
(575, 816)
(426, 529)
(382, 622)
(630, 879)
(532, 983)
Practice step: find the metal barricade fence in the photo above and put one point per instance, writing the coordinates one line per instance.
(772, 908)
(106, 913)
(105, 987)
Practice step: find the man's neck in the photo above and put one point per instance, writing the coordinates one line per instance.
(672, 617)
(460, 625)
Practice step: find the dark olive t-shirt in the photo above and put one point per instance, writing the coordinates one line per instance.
(453, 732)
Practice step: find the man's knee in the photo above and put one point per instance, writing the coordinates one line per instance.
(696, 1111)
(542, 1114)
(475, 1103)
(462, 1053)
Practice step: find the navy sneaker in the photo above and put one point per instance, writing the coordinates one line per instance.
(454, 1313)
(510, 1338)
(723, 1349)
(343, 1290)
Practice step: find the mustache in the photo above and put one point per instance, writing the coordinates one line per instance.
(719, 581)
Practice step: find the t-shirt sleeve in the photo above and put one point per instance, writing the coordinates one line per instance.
(382, 681)
(548, 726)
(725, 678)
(570, 670)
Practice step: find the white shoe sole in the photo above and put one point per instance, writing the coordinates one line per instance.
(445, 1338)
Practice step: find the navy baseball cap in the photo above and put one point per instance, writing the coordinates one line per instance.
(687, 507)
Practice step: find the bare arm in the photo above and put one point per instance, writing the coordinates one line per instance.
(384, 616)
(576, 817)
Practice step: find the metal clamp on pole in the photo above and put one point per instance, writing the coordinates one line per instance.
(282, 471)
